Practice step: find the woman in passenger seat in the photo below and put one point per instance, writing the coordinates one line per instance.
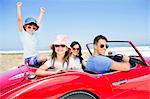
(76, 54)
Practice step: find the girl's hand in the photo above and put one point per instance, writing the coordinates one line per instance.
(60, 71)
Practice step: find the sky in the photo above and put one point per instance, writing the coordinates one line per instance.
(81, 20)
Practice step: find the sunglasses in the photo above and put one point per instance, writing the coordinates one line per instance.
(76, 49)
(102, 46)
(33, 27)
(60, 45)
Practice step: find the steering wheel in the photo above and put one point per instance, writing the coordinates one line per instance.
(132, 60)
(135, 60)
(118, 57)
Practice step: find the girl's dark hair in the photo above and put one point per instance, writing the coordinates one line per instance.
(80, 53)
(66, 57)
(73, 44)
(32, 23)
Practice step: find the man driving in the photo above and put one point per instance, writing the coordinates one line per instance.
(99, 63)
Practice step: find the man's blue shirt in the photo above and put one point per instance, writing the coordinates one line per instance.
(99, 64)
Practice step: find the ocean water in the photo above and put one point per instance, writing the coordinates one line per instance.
(144, 50)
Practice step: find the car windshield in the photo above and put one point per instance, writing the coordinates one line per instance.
(121, 48)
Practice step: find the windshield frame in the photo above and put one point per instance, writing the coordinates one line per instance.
(130, 44)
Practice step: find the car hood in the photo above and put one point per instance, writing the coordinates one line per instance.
(12, 77)
(51, 85)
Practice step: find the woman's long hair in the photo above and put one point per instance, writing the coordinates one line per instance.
(80, 53)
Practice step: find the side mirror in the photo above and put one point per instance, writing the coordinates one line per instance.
(31, 76)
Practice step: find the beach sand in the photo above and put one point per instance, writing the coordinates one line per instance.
(12, 60)
(8, 61)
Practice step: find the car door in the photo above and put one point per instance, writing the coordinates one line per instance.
(134, 84)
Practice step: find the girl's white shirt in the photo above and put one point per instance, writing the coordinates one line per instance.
(73, 64)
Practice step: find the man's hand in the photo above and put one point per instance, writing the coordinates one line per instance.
(126, 58)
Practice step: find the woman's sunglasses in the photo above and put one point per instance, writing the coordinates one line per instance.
(76, 49)
(60, 45)
(102, 46)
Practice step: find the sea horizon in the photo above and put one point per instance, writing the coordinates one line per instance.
(46, 48)
(145, 50)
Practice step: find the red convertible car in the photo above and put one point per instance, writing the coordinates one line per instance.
(134, 84)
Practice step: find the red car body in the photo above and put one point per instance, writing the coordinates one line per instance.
(134, 84)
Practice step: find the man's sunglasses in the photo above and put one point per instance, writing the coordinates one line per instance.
(102, 46)
(60, 45)
(76, 49)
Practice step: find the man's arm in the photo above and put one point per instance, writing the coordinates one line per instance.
(42, 11)
(19, 16)
(121, 66)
